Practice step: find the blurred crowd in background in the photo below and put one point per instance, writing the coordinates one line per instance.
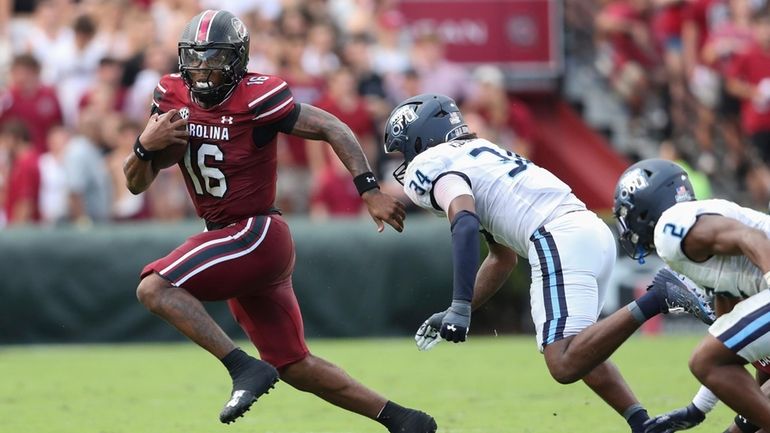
(694, 79)
(76, 80)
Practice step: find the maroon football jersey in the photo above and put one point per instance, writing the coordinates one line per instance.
(230, 165)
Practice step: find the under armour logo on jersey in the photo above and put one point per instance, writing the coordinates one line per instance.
(227, 119)
(184, 113)
(452, 328)
(371, 179)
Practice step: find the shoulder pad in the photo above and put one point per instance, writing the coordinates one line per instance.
(167, 90)
(266, 97)
(424, 169)
(671, 228)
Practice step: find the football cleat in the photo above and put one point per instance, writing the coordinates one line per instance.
(682, 295)
(261, 378)
(416, 421)
(678, 419)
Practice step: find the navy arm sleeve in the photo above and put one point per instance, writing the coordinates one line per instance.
(465, 254)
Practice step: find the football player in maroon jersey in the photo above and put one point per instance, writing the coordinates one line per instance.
(230, 118)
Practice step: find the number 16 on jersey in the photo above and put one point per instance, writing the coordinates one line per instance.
(210, 178)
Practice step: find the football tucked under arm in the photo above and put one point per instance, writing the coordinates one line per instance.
(169, 156)
(172, 154)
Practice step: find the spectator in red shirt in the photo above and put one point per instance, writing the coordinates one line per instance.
(748, 78)
(334, 194)
(623, 28)
(725, 41)
(293, 192)
(700, 17)
(108, 77)
(29, 101)
(667, 29)
(341, 99)
(23, 184)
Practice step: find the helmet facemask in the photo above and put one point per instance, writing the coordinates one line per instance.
(198, 61)
(636, 245)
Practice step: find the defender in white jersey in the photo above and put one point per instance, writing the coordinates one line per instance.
(522, 210)
(721, 246)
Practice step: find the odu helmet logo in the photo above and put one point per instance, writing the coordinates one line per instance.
(401, 119)
(631, 182)
(240, 29)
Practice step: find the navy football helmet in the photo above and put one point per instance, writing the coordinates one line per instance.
(214, 40)
(645, 190)
(421, 122)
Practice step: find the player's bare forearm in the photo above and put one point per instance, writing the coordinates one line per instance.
(718, 235)
(160, 132)
(316, 124)
(139, 174)
(493, 272)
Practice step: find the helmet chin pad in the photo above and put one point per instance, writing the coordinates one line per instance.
(205, 89)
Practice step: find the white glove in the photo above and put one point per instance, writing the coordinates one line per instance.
(427, 334)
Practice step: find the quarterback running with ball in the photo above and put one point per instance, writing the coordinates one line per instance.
(230, 119)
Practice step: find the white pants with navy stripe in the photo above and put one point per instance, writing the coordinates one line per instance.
(746, 329)
(571, 258)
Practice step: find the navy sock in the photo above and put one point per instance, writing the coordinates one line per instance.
(647, 306)
(636, 415)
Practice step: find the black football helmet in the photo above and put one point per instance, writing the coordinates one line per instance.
(421, 122)
(645, 190)
(215, 40)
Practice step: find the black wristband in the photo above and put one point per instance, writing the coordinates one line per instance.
(744, 425)
(141, 152)
(365, 181)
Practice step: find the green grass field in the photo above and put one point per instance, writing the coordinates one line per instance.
(483, 386)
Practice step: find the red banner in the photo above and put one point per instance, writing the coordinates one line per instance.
(523, 35)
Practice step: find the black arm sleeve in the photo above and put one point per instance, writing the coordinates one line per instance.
(286, 125)
(262, 135)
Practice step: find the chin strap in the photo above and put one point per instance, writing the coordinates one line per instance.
(640, 250)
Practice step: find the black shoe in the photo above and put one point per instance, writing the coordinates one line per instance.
(416, 422)
(682, 294)
(256, 381)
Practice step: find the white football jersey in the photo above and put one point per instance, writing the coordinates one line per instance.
(729, 275)
(514, 197)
